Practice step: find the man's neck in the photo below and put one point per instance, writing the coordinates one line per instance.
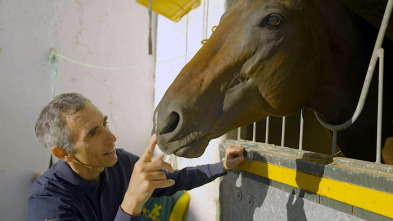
(86, 172)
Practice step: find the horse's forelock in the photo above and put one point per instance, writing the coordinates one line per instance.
(300, 6)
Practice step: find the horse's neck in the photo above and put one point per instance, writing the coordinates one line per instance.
(346, 50)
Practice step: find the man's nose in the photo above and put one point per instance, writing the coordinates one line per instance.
(110, 138)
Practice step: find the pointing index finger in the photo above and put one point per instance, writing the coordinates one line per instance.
(147, 155)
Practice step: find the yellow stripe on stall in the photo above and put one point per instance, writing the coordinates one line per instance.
(362, 197)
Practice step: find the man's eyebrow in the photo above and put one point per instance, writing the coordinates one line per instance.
(91, 131)
(96, 127)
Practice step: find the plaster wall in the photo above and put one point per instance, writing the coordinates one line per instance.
(103, 33)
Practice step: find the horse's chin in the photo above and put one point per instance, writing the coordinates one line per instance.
(193, 150)
(189, 152)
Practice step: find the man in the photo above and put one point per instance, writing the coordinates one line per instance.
(94, 181)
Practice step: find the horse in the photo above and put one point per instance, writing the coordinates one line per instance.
(273, 58)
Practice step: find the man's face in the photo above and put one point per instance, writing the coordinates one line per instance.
(93, 141)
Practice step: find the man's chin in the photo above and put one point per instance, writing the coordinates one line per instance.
(111, 161)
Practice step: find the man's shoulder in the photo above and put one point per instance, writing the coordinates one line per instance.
(42, 181)
(40, 185)
(51, 182)
(53, 196)
(47, 186)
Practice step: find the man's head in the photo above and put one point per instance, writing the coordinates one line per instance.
(77, 132)
(50, 127)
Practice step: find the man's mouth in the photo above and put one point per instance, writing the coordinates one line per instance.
(110, 153)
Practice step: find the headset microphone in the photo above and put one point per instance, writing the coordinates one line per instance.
(78, 161)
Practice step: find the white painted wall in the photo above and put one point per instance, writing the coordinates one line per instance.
(178, 43)
(106, 33)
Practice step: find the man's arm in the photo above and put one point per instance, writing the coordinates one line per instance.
(192, 177)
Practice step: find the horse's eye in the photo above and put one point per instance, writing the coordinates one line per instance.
(273, 21)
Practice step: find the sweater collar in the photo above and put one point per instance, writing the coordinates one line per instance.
(65, 172)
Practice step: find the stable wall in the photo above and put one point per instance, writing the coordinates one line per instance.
(104, 33)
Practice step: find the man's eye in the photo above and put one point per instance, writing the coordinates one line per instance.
(92, 134)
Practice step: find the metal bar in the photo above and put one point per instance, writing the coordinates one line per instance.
(380, 102)
(254, 131)
(239, 130)
(334, 143)
(283, 131)
(301, 130)
(267, 130)
(369, 75)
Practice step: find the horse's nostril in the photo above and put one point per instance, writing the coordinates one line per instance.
(171, 124)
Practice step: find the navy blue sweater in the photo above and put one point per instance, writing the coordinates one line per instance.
(61, 194)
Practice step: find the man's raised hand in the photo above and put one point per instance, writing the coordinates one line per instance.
(145, 178)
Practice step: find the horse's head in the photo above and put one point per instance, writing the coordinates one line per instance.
(255, 64)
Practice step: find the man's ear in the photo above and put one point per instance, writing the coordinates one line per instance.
(61, 154)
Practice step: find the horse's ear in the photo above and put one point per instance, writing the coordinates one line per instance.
(228, 4)
(223, 15)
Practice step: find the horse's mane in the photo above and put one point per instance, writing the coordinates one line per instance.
(364, 25)
(372, 33)
(371, 11)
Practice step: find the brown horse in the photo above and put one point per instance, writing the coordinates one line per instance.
(274, 57)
